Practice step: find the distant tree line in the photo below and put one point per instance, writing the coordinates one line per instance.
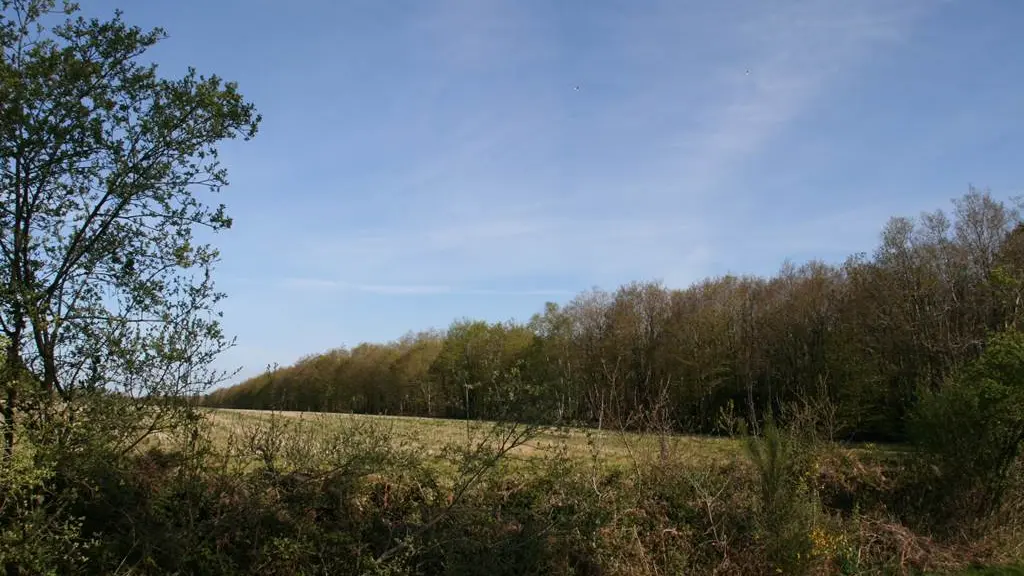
(865, 338)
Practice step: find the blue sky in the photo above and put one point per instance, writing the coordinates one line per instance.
(424, 161)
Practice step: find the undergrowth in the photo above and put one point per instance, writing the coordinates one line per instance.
(283, 496)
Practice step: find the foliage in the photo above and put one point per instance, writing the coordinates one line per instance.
(35, 535)
(971, 431)
(107, 305)
(786, 510)
(359, 496)
(104, 289)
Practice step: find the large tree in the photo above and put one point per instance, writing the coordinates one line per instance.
(105, 291)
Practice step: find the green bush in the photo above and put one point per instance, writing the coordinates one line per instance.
(36, 536)
(786, 509)
(968, 435)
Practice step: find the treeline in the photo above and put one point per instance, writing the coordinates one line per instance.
(863, 338)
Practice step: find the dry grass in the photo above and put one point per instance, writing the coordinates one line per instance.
(432, 434)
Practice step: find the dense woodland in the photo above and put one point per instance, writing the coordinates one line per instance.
(864, 337)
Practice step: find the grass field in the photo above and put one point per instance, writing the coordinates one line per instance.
(432, 434)
(609, 446)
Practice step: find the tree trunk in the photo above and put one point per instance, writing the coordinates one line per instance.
(12, 374)
(12, 398)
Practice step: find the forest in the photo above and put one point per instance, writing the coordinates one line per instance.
(864, 337)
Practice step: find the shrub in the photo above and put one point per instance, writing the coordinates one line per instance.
(968, 435)
(36, 537)
(787, 506)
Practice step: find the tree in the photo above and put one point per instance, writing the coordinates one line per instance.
(412, 369)
(105, 293)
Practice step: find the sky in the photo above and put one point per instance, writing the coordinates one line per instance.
(424, 161)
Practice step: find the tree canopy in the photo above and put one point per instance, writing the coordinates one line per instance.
(107, 167)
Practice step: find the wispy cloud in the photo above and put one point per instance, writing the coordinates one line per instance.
(786, 57)
(573, 253)
(321, 284)
(644, 176)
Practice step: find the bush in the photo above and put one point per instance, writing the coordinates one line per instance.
(35, 534)
(968, 435)
(787, 504)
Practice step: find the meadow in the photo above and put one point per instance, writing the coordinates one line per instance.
(431, 435)
(605, 500)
